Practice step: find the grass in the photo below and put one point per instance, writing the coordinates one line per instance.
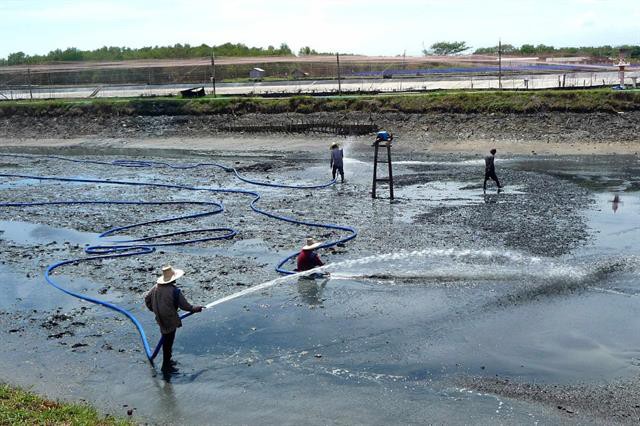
(18, 407)
(523, 102)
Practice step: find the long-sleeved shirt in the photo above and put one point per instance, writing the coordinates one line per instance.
(489, 166)
(336, 157)
(161, 299)
(308, 259)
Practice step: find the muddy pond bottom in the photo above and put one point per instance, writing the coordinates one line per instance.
(384, 338)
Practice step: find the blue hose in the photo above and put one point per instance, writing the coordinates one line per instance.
(140, 246)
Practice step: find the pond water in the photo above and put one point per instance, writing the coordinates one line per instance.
(382, 339)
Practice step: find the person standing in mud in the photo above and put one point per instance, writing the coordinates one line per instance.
(490, 169)
(336, 161)
(163, 300)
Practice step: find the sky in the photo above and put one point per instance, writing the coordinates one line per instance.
(371, 27)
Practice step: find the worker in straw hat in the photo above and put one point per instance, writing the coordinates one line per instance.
(164, 299)
(336, 161)
(308, 258)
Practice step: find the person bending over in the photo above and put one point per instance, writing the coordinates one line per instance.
(308, 258)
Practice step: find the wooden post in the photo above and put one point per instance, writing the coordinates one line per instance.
(339, 84)
(29, 78)
(499, 64)
(375, 170)
(213, 72)
(389, 179)
(390, 171)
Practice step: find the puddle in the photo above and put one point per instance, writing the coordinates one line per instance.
(22, 290)
(250, 248)
(474, 163)
(26, 233)
(16, 183)
(597, 173)
(615, 219)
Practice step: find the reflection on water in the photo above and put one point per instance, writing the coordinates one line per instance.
(615, 203)
(310, 290)
(615, 224)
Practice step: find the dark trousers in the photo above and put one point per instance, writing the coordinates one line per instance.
(167, 347)
(491, 175)
(338, 169)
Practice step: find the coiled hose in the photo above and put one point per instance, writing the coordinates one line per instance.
(140, 246)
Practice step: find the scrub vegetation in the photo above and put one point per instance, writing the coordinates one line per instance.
(581, 101)
(604, 52)
(116, 53)
(18, 407)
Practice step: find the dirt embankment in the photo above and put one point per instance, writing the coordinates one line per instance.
(556, 127)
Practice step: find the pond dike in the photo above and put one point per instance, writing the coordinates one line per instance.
(565, 127)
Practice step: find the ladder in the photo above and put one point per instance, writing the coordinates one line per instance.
(376, 160)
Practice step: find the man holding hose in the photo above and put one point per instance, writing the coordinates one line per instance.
(164, 299)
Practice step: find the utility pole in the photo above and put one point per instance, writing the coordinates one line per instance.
(213, 72)
(339, 84)
(499, 64)
(29, 81)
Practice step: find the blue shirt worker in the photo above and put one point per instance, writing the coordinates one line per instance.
(383, 136)
(336, 161)
(164, 299)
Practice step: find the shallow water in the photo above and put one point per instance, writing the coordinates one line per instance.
(383, 338)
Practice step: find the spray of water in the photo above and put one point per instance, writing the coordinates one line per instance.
(432, 264)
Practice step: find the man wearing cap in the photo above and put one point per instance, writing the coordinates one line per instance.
(164, 299)
(308, 259)
(490, 169)
(336, 161)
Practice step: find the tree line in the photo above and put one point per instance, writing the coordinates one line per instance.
(457, 47)
(115, 53)
(629, 51)
(185, 51)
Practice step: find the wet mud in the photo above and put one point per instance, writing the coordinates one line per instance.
(452, 304)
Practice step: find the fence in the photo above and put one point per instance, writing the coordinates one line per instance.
(126, 82)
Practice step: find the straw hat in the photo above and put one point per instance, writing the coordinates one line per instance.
(311, 244)
(169, 275)
(334, 145)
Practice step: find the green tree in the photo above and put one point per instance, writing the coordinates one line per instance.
(17, 58)
(285, 49)
(306, 51)
(528, 49)
(507, 49)
(447, 48)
